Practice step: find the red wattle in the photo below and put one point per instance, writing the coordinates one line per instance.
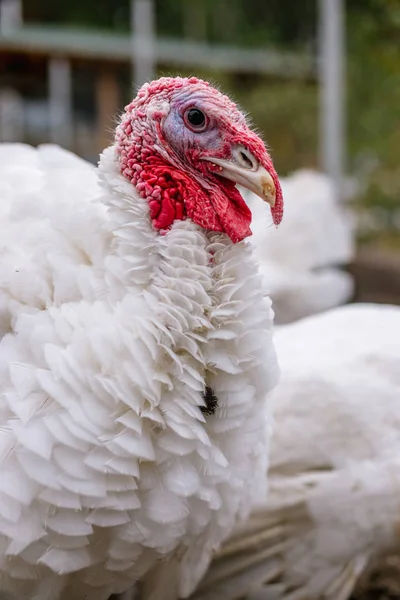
(233, 212)
(173, 195)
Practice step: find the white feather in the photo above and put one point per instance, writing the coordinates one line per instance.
(110, 333)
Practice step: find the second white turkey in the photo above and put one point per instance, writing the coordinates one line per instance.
(333, 507)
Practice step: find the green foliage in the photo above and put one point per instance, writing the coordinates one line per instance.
(286, 112)
(374, 98)
(110, 14)
(254, 22)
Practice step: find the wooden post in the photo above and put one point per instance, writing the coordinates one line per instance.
(332, 90)
(60, 102)
(10, 15)
(194, 20)
(108, 105)
(11, 116)
(227, 13)
(143, 41)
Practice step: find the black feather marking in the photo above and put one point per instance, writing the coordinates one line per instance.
(211, 400)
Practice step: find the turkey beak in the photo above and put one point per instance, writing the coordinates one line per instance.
(245, 170)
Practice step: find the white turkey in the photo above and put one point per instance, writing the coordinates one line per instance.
(333, 507)
(301, 261)
(135, 352)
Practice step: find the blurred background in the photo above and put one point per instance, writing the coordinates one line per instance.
(320, 79)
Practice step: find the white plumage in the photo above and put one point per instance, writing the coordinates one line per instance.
(110, 331)
(334, 482)
(301, 260)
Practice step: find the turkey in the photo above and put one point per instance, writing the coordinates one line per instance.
(334, 482)
(301, 260)
(136, 348)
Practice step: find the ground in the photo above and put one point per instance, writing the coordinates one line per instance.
(383, 584)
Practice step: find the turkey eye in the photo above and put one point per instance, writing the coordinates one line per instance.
(196, 119)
